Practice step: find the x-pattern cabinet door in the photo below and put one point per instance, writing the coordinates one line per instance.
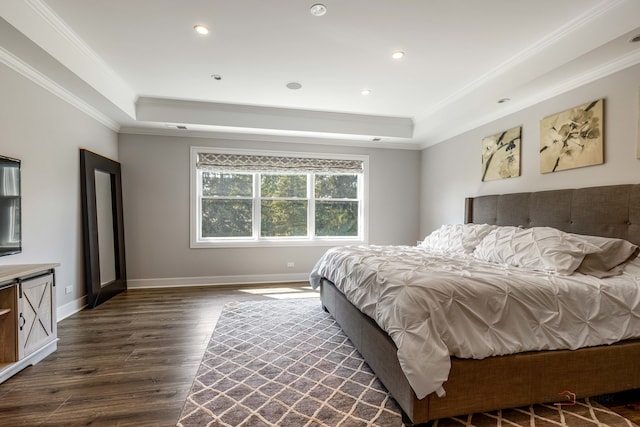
(37, 325)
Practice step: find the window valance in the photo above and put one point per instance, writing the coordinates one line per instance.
(258, 163)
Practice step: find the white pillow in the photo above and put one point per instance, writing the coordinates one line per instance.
(456, 238)
(536, 248)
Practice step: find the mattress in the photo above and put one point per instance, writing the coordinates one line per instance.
(436, 305)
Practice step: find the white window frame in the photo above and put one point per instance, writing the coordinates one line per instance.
(194, 215)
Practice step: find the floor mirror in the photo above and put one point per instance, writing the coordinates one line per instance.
(103, 231)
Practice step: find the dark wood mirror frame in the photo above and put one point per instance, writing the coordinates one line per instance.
(97, 293)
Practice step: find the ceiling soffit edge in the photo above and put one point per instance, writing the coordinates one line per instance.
(44, 27)
(285, 139)
(625, 61)
(24, 69)
(529, 53)
(248, 116)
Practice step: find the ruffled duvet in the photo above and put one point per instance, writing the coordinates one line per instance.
(435, 306)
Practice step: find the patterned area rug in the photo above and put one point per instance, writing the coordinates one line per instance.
(288, 363)
(585, 413)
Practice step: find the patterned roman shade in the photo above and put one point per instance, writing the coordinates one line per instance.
(258, 163)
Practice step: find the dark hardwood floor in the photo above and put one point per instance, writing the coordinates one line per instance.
(128, 362)
(132, 360)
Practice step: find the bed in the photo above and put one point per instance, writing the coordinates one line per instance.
(513, 380)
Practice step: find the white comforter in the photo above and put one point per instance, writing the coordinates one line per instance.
(434, 306)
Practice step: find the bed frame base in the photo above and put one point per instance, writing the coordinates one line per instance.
(492, 383)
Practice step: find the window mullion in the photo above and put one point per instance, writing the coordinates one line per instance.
(257, 205)
(311, 205)
(199, 197)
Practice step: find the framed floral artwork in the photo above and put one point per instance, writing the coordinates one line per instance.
(501, 155)
(572, 138)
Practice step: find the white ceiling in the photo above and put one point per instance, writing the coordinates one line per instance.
(138, 65)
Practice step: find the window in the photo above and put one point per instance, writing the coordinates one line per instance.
(284, 205)
(226, 204)
(336, 205)
(242, 198)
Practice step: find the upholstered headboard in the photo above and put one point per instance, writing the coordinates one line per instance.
(609, 211)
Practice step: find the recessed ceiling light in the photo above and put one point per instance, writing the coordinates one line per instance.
(503, 100)
(366, 92)
(294, 85)
(398, 54)
(318, 9)
(635, 39)
(201, 29)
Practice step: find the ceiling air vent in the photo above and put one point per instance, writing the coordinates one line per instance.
(181, 127)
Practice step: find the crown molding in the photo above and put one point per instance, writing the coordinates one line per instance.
(55, 22)
(604, 70)
(24, 69)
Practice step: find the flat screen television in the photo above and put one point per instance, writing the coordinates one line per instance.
(10, 202)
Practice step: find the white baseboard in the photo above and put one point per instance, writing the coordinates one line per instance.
(172, 282)
(71, 308)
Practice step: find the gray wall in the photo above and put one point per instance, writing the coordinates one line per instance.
(451, 170)
(155, 173)
(46, 133)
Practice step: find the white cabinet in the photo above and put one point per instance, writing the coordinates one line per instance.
(28, 324)
(36, 319)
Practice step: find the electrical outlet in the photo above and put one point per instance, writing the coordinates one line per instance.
(68, 289)
(291, 264)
